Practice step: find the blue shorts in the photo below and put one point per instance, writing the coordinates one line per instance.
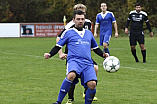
(104, 39)
(83, 71)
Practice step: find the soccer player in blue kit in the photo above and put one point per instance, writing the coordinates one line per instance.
(63, 55)
(79, 63)
(105, 19)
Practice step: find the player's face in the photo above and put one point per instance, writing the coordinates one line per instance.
(103, 7)
(79, 21)
(138, 8)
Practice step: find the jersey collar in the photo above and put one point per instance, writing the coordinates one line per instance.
(81, 33)
(103, 15)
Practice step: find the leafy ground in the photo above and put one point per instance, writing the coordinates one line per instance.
(27, 78)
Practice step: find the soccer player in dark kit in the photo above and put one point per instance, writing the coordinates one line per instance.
(137, 17)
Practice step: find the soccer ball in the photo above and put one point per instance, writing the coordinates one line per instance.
(111, 64)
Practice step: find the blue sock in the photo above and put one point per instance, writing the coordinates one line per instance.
(64, 89)
(106, 50)
(89, 96)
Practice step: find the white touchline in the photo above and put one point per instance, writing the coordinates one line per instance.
(136, 68)
(60, 59)
(139, 69)
(29, 55)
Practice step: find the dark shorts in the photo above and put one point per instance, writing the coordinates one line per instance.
(135, 37)
(94, 62)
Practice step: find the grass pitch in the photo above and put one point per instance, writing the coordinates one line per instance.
(27, 78)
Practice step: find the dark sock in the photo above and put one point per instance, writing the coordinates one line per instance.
(89, 96)
(85, 90)
(106, 50)
(134, 54)
(71, 92)
(58, 102)
(144, 55)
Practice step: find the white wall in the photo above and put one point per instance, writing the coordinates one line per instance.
(9, 29)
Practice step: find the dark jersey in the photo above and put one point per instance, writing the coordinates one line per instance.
(71, 24)
(137, 20)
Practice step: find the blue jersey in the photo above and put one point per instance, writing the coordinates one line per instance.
(79, 45)
(105, 21)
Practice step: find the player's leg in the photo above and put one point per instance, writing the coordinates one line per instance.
(106, 43)
(101, 40)
(143, 51)
(91, 81)
(90, 93)
(71, 91)
(67, 81)
(142, 46)
(84, 85)
(84, 93)
(71, 94)
(96, 68)
(133, 44)
(133, 51)
(65, 86)
(106, 49)
(96, 71)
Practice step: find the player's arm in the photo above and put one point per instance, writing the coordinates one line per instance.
(99, 52)
(95, 30)
(116, 29)
(53, 51)
(62, 55)
(149, 28)
(58, 46)
(127, 24)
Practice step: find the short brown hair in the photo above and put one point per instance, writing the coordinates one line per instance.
(79, 6)
(79, 12)
(137, 4)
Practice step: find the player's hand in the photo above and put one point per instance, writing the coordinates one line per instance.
(116, 35)
(62, 56)
(105, 54)
(47, 55)
(151, 34)
(126, 30)
(95, 35)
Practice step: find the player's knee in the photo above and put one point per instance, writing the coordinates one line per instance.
(105, 45)
(71, 76)
(142, 47)
(91, 84)
(132, 47)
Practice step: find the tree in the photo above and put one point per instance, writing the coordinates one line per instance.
(54, 10)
